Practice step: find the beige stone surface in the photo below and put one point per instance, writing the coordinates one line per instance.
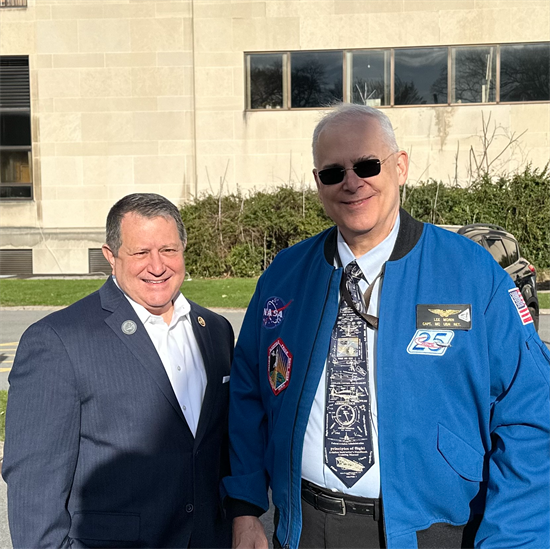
(91, 104)
(345, 31)
(303, 8)
(76, 10)
(277, 33)
(161, 125)
(61, 171)
(159, 170)
(57, 83)
(160, 81)
(107, 82)
(175, 103)
(174, 59)
(142, 59)
(18, 214)
(111, 126)
(530, 25)
(79, 60)
(352, 7)
(181, 8)
(162, 34)
(214, 34)
(107, 171)
(60, 127)
(57, 36)
(17, 38)
(104, 35)
(214, 125)
(132, 10)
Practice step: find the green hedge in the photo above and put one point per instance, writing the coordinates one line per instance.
(239, 236)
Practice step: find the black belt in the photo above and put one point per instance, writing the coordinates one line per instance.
(337, 503)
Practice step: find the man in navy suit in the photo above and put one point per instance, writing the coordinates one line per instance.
(116, 428)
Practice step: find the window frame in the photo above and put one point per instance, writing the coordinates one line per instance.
(347, 56)
(22, 148)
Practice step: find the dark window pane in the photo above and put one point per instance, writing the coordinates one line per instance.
(525, 72)
(473, 75)
(316, 79)
(497, 250)
(16, 191)
(14, 167)
(266, 81)
(15, 129)
(370, 77)
(420, 76)
(511, 249)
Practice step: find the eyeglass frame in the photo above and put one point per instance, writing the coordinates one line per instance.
(344, 170)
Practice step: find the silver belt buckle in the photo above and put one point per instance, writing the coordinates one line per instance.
(340, 500)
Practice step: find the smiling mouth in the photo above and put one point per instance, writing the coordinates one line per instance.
(356, 202)
(155, 281)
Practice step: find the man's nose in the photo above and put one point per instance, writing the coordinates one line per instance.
(352, 181)
(156, 264)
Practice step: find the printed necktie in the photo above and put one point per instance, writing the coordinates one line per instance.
(348, 436)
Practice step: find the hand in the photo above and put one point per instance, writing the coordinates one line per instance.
(248, 533)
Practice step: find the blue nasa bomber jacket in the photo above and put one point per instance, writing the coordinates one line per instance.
(463, 430)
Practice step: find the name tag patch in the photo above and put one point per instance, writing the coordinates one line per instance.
(449, 317)
(519, 302)
(279, 365)
(430, 342)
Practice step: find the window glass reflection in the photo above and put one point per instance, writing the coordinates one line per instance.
(15, 128)
(265, 81)
(473, 73)
(511, 250)
(420, 76)
(15, 167)
(498, 252)
(525, 72)
(370, 77)
(316, 78)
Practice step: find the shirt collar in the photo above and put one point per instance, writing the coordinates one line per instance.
(370, 263)
(181, 307)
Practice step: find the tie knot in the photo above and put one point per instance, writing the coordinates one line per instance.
(354, 272)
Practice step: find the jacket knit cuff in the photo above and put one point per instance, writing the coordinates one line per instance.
(240, 508)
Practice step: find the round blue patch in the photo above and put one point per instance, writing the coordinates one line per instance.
(274, 311)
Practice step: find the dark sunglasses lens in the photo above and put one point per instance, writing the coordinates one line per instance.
(367, 168)
(331, 176)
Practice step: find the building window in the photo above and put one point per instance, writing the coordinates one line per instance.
(97, 264)
(265, 81)
(525, 72)
(420, 76)
(15, 129)
(316, 78)
(369, 79)
(13, 3)
(400, 76)
(473, 74)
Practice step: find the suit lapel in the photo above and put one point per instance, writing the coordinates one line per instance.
(213, 377)
(138, 343)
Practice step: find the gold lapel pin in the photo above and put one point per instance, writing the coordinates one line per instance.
(201, 321)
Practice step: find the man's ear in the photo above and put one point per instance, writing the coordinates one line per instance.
(402, 167)
(109, 256)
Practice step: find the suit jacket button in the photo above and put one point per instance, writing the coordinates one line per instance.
(189, 508)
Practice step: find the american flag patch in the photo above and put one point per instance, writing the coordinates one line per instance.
(522, 308)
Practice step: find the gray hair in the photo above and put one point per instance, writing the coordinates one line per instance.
(143, 204)
(351, 112)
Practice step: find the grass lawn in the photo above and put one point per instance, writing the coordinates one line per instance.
(228, 292)
(3, 402)
(544, 300)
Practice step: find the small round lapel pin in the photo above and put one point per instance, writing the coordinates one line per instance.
(201, 321)
(129, 327)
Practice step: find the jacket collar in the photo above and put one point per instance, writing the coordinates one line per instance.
(410, 231)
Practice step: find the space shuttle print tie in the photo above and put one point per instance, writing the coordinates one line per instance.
(348, 435)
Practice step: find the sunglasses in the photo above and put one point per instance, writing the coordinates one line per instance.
(363, 169)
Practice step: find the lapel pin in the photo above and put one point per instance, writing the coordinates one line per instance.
(201, 321)
(129, 327)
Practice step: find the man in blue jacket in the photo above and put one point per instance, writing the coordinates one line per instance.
(388, 383)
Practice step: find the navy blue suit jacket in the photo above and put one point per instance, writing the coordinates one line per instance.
(98, 452)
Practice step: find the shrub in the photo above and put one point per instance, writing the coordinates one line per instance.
(234, 235)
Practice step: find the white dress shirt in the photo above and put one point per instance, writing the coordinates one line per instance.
(180, 355)
(314, 467)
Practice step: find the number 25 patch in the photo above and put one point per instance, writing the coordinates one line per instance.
(430, 342)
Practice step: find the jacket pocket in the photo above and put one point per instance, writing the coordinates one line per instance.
(464, 459)
(105, 526)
